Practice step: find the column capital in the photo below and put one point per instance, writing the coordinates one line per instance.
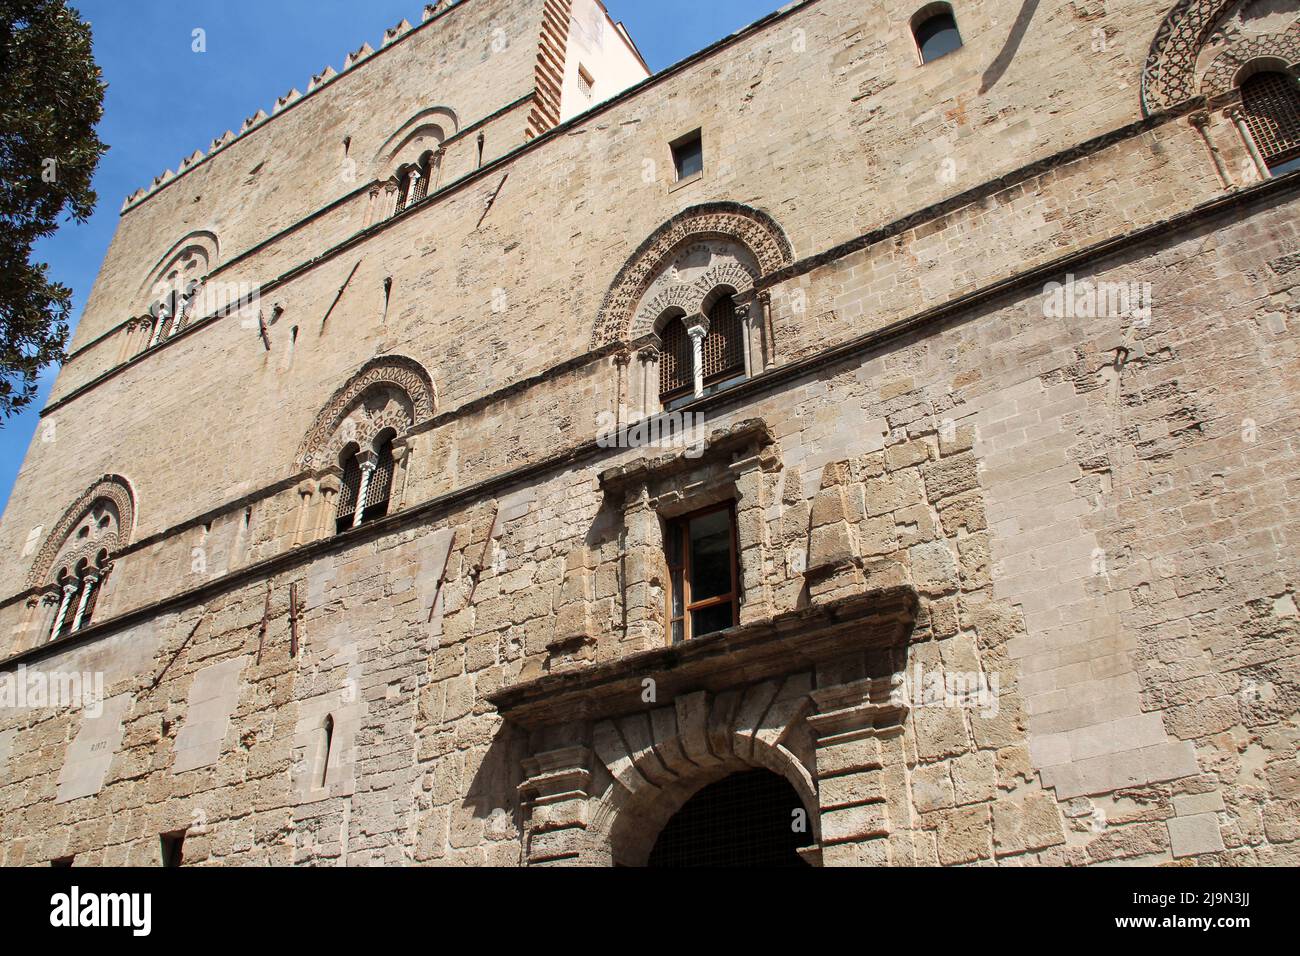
(697, 327)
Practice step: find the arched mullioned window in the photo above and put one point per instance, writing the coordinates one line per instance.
(1270, 104)
(934, 28)
(78, 593)
(413, 182)
(367, 484)
(722, 353)
(72, 566)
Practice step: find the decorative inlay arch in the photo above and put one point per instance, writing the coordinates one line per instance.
(1169, 76)
(751, 229)
(427, 129)
(115, 492)
(1224, 71)
(353, 415)
(192, 258)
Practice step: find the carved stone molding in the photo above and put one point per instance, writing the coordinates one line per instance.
(1169, 76)
(114, 489)
(875, 620)
(396, 372)
(610, 766)
(750, 228)
(1221, 73)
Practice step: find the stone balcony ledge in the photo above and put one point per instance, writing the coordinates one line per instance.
(880, 620)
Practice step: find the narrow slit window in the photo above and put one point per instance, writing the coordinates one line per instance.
(173, 848)
(327, 732)
(703, 573)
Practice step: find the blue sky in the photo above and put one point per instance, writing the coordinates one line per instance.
(164, 101)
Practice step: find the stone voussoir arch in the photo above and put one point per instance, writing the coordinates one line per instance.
(751, 228)
(388, 371)
(699, 739)
(112, 488)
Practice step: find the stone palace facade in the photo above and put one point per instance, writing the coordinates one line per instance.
(869, 441)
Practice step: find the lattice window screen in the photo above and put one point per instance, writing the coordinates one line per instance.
(675, 363)
(421, 188)
(381, 482)
(1271, 105)
(348, 492)
(724, 354)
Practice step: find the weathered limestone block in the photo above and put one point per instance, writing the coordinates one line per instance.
(1033, 823)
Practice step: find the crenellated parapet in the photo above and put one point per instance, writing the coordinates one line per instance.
(318, 82)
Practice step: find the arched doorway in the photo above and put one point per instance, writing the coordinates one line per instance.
(752, 818)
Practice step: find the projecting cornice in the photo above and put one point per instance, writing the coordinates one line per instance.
(876, 620)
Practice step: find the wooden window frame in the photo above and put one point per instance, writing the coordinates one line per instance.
(689, 607)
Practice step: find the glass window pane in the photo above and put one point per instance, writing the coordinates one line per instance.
(679, 602)
(937, 36)
(711, 619)
(675, 544)
(710, 555)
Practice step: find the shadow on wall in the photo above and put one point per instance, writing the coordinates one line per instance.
(1008, 51)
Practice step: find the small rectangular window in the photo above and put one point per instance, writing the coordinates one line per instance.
(173, 848)
(703, 573)
(586, 82)
(688, 156)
